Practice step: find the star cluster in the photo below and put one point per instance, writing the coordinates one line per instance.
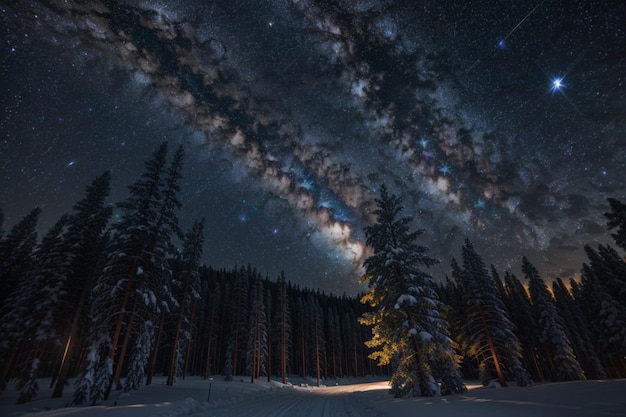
(497, 121)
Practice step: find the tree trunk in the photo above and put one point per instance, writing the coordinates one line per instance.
(155, 351)
(120, 361)
(188, 354)
(283, 349)
(120, 320)
(64, 369)
(179, 325)
(208, 350)
(317, 358)
(492, 347)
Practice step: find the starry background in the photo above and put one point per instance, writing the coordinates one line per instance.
(495, 120)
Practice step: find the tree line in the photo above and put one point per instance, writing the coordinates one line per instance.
(478, 325)
(113, 303)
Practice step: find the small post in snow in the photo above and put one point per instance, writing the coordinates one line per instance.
(209, 396)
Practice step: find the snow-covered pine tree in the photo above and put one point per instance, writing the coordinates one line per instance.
(610, 269)
(45, 288)
(406, 323)
(93, 381)
(85, 241)
(187, 281)
(607, 316)
(134, 283)
(578, 331)
(138, 360)
(520, 308)
(15, 253)
(552, 334)
(487, 328)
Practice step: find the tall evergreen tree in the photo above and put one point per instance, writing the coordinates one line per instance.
(283, 322)
(239, 316)
(44, 288)
(610, 270)
(130, 291)
(487, 327)
(617, 220)
(521, 313)
(317, 339)
(188, 283)
(607, 314)
(257, 354)
(408, 331)
(15, 252)
(578, 330)
(552, 334)
(85, 241)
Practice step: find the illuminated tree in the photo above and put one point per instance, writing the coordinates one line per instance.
(487, 329)
(408, 331)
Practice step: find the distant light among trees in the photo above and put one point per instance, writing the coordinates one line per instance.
(112, 304)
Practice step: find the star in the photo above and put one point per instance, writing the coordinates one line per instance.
(557, 84)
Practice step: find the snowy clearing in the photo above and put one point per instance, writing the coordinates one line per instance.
(348, 398)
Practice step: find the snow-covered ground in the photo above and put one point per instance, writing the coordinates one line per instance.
(342, 398)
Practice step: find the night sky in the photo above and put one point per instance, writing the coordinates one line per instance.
(502, 121)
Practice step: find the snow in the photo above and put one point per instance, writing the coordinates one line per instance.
(364, 397)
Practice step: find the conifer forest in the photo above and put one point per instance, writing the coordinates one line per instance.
(114, 294)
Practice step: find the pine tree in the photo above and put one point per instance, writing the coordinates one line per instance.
(578, 330)
(283, 322)
(188, 281)
(408, 331)
(552, 334)
(134, 286)
(617, 220)
(317, 339)
(610, 269)
(15, 253)
(256, 358)
(607, 316)
(518, 304)
(239, 315)
(487, 329)
(1, 223)
(85, 241)
(45, 288)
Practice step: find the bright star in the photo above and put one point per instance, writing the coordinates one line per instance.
(501, 44)
(69, 164)
(557, 84)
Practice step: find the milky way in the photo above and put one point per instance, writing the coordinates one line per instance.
(295, 112)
